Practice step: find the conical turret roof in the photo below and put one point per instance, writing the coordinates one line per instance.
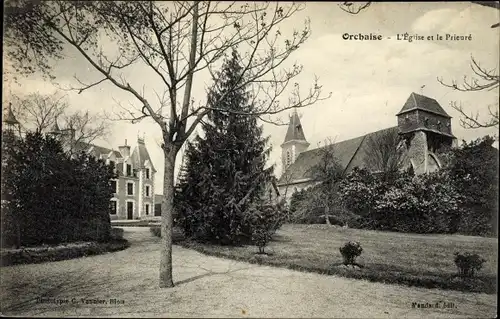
(10, 118)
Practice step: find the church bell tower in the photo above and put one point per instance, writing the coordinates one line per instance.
(426, 128)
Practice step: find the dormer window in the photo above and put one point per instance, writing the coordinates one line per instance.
(147, 173)
(129, 170)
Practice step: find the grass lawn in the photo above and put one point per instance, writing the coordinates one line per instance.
(408, 259)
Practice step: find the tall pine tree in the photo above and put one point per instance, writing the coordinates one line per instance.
(225, 169)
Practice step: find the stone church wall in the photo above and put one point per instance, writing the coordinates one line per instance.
(418, 152)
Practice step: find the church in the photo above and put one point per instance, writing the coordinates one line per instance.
(423, 125)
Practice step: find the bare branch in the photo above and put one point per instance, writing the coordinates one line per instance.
(472, 121)
(484, 80)
(354, 7)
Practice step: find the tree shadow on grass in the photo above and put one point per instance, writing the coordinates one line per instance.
(281, 239)
(209, 274)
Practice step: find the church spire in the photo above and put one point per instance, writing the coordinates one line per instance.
(295, 131)
(295, 141)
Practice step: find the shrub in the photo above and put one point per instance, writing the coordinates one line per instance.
(42, 254)
(468, 264)
(473, 169)
(49, 197)
(117, 233)
(264, 221)
(155, 230)
(350, 251)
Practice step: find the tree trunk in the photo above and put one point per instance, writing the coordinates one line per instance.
(167, 208)
(327, 215)
(18, 235)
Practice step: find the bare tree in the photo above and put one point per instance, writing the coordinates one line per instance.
(85, 127)
(385, 152)
(483, 80)
(327, 172)
(177, 41)
(38, 112)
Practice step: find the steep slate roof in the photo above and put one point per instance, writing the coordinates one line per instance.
(295, 130)
(81, 146)
(350, 153)
(421, 102)
(140, 155)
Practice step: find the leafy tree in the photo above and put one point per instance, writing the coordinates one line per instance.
(53, 198)
(473, 169)
(177, 42)
(360, 191)
(10, 225)
(230, 162)
(427, 203)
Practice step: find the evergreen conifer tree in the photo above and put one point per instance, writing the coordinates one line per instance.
(225, 169)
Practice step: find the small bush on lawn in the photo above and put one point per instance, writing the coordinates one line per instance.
(468, 264)
(155, 230)
(264, 221)
(350, 251)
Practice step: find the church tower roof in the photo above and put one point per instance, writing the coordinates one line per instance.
(424, 103)
(295, 131)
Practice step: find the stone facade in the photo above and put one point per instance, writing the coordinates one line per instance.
(135, 171)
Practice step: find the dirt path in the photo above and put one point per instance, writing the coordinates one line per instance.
(211, 287)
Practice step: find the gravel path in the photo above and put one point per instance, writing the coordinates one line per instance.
(211, 287)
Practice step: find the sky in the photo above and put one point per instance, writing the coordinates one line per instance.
(369, 80)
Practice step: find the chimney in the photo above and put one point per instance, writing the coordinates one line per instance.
(124, 149)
